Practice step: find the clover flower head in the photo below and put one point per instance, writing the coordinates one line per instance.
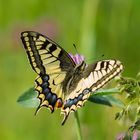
(124, 136)
(77, 58)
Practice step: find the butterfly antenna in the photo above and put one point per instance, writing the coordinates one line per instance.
(75, 48)
(102, 55)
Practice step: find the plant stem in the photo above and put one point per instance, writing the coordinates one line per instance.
(79, 134)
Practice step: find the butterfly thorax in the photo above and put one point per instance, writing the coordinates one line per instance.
(72, 78)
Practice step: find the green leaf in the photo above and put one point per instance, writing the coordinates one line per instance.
(116, 102)
(99, 100)
(29, 99)
(106, 100)
(107, 91)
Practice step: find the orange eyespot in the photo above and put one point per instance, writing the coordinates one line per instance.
(58, 103)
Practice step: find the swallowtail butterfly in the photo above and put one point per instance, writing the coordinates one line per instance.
(61, 83)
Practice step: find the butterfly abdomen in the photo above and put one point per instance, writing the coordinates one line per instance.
(71, 80)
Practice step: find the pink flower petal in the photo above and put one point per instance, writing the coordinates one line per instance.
(77, 58)
(135, 136)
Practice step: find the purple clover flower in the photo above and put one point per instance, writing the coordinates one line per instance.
(121, 136)
(135, 135)
(124, 136)
(78, 59)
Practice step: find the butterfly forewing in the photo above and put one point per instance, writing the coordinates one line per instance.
(104, 72)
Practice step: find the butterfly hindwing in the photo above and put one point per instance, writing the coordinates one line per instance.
(51, 63)
(94, 77)
(47, 95)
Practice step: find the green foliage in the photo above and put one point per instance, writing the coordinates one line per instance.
(130, 88)
(106, 100)
(29, 99)
(103, 97)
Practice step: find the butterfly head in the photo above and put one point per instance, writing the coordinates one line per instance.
(80, 67)
(79, 61)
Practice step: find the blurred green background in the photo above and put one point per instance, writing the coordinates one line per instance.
(97, 27)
